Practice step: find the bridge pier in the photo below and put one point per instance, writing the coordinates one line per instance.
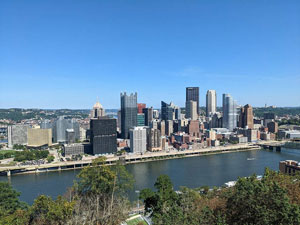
(8, 173)
(271, 148)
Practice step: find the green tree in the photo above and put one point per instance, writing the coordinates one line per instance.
(47, 211)
(9, 200)
(260, 202)
(164, 203)
(101, 194)
(50, 158)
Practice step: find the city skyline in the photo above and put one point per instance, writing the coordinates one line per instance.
(60, 55)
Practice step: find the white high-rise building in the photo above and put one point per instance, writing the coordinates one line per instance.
(138, 139)
(211, 102)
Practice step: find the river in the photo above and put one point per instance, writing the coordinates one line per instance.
(211, 170)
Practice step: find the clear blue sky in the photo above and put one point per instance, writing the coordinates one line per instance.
(65, 53)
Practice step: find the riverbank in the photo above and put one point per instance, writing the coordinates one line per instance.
(126, 159)
(211, 170)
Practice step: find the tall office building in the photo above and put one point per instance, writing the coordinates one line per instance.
(154, 124)
(129, 112)
(192, 94)
(229, 112)
(141, 119)
(153, 139)
(177, 113)
(119, 120)
(103, 135)
(166, 111)
(170, 111)
(246, 117)
(191, 107)
(141, 106)
(169, 127)
(17, 134)
(70, 136)
(162, 127)
(155, 114)
(97, 110)
(61, 125)
(268, 117)
(138, 139)
(148, 112)
(216, 121)
(193, 128)
(211, 102)
(46, 124)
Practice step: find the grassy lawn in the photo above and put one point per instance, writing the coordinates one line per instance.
(5, 151)
(136, 221)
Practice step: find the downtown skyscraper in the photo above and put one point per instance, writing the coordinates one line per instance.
(192, 94)
(129, 111)
(229, 112)
(103, 135)
(246, 117)
(211, 102)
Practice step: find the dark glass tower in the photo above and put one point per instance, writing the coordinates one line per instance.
(166, 111)
(148, 115)
(192, 94)
(103, 135)
(129, 113)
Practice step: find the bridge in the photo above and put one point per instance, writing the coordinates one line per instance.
(272, 145)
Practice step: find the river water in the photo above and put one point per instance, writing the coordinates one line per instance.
(211, 170)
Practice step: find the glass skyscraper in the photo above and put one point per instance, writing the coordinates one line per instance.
(104, 135)
(129, 113)
(229, 112)
(61, 125)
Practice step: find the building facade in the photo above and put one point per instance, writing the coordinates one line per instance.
(103, 135)
(141, 106)
(141, 119)
(17, 134)
(138, 140)
(129, 113)
(191, 107)
(246, 117)
(148, 112)
(211, 102)
(229, 112)
(193, 128)
(169, 127)
(39, 137)
(192, 94)
(170, 111)
(61, 125)
(97, 110)
(153, 139)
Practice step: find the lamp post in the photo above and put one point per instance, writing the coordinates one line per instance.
(138, 193)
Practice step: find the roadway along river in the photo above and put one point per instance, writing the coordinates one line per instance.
(211, 170)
